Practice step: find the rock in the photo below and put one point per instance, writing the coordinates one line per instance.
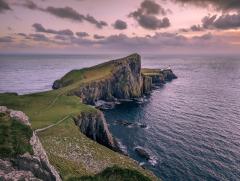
(9, 172)
(147, 84)
(123, 123)
(20, 116)
(3, 109)
(100, 104)
(129, 124)
(142, 125)
(94, 126)
(57, 84)
(142, 152)
(168, 75)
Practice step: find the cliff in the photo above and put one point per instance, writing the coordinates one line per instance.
(94, 126)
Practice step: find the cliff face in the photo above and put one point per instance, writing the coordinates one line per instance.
(94, 126)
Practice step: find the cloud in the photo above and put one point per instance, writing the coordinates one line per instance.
(82, 34)
(196, 28)
(120, 25)
(38, 37)
(151, 7)
(98, 37)
(159, 42)
(39, 28)
(64, 12)
(70, 13)
(22, 34)
(146, 15)
(217, 4)
(4, 6)
(30, 5)
(215, 22)
(6, 39)
(225, 21)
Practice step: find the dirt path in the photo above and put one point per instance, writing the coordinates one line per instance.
(55, 124)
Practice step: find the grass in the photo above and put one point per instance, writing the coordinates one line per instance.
(71, 152)
(114, 174)
(75, 155)
(14, 137)
(146, 71)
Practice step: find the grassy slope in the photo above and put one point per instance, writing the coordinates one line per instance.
(147, 71)
(114, 173)
(14, 137)
(64, 142)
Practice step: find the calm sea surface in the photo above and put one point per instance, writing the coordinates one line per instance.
(193, 123)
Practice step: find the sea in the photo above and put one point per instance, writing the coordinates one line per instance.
(192, 123)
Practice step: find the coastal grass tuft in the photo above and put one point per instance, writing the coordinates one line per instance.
(114, 173)
(14, 137)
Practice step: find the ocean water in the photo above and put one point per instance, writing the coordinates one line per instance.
(193, 122)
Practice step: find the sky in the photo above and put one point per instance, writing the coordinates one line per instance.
(113, 26)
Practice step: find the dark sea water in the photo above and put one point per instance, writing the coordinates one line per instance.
(193, 122)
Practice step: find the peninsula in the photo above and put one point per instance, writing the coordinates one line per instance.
(62, 134)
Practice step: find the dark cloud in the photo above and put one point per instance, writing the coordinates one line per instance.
(38, 37)
(70, 13)
(4, 6)
(65, 12)
(6, 39)
(22, 34)
(98, 37)
(196, 28)
(39, 28)
(151, 7)
(225, 21)
(120, 25)
(82, 34)
(146, 15)
(207, 36)
(30, 5)
(215, 22)
(218, 4)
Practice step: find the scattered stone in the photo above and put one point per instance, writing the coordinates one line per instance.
(142, 152)
(130, 124)
(3, 109)
(20, 116)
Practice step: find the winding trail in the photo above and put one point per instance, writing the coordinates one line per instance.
(52, 125)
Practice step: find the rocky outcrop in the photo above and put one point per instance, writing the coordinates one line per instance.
(94, 126)
(27, 166)
(125, 82)
(157, 76)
